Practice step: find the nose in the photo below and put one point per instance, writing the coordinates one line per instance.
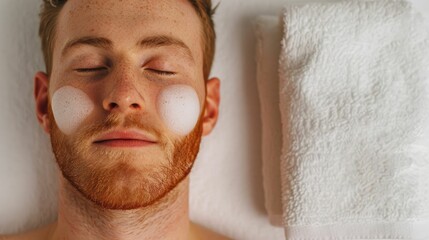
(122, 95)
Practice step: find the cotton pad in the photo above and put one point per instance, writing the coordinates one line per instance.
(70, 107)
(179, 108)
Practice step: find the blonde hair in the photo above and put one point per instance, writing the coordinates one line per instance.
(51, 9)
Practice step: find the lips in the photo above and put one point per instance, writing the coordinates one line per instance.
(125, 138)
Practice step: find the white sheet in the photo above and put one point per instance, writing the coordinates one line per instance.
(226, 183)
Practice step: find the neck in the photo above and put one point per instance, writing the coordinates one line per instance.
(79, 218)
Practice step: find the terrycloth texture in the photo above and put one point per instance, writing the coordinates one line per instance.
(354, 102)
(268, 36)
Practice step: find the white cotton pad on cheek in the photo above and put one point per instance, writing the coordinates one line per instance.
(179, 108)
(70, 107)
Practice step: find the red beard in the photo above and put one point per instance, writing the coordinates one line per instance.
(121, 179)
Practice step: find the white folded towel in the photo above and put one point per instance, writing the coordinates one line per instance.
(354, 102)
(268, 36)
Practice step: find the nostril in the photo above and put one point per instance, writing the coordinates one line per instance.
(113, 105)
(135, 105)
(122, 106)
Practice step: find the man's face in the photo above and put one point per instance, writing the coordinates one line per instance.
(118, 69)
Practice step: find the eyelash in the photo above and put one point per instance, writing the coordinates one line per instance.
(90, 69)
(84, 70)
(166, 73)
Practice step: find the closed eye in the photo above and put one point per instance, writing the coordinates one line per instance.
(160, 72)
(90, 69)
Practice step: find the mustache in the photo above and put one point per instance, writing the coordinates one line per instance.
(113, 121)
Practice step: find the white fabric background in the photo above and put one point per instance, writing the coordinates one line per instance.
(226, 183)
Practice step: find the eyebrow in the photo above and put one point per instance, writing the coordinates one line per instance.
(162, 40)
(147, 42)
(98, 42)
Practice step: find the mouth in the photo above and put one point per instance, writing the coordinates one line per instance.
(125, 138)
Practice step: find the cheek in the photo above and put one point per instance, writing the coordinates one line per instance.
(70, 107)
(179, 107)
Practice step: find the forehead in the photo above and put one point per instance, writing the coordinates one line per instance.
(124, 22)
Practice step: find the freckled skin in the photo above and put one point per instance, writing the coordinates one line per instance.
(125, 193)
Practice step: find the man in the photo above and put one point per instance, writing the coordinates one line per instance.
(126, 98)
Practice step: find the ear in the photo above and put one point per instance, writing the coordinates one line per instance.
(211, 111)
(41, 83)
